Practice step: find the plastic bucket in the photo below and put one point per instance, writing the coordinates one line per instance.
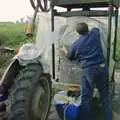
(67, 110)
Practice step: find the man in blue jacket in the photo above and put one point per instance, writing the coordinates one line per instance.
(87, 50)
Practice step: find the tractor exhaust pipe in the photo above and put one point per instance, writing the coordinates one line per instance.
(29, 30)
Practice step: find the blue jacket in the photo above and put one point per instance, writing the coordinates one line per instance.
(87, 50)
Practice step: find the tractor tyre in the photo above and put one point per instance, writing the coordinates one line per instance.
(30, 95)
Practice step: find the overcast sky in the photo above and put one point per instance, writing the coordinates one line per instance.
(12, 10)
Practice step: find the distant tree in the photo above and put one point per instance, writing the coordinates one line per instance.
(17, 21)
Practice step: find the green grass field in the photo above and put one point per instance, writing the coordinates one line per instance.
(13, 35)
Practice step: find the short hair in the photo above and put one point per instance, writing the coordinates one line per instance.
(82, 28)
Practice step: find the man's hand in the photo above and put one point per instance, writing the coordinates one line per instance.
(90, 26)
(64, 49)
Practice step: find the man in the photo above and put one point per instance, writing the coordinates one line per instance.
(87, 50)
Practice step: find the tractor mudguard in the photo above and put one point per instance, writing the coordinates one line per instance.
(31, 53)
(28, 53)
(9, 74)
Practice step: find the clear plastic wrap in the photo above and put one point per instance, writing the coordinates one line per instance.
(65, 34)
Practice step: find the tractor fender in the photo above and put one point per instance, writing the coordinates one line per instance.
(30, 53)
(8, 76)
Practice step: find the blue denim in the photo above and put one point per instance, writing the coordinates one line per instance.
(97, 75)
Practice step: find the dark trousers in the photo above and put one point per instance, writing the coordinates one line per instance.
(97, 75)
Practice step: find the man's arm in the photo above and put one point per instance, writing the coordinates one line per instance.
(65, 50)
(70, 53)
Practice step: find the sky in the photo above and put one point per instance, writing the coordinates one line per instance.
(12, 10)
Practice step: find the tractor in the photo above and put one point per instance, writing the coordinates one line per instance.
(37, 70)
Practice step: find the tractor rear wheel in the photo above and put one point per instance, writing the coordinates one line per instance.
(30, 95)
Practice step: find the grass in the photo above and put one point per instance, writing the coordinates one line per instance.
(13, 35)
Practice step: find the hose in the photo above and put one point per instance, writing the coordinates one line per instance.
(44, 5)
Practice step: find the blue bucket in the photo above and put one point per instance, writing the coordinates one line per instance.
(67, 111)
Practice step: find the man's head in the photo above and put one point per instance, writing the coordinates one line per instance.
(82, 28)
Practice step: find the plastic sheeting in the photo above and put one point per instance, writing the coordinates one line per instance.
(65, 34)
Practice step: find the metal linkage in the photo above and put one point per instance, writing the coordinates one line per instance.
(85, 3)
(53, 45)
(110, 9)
(116, 30)
(91, 13)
